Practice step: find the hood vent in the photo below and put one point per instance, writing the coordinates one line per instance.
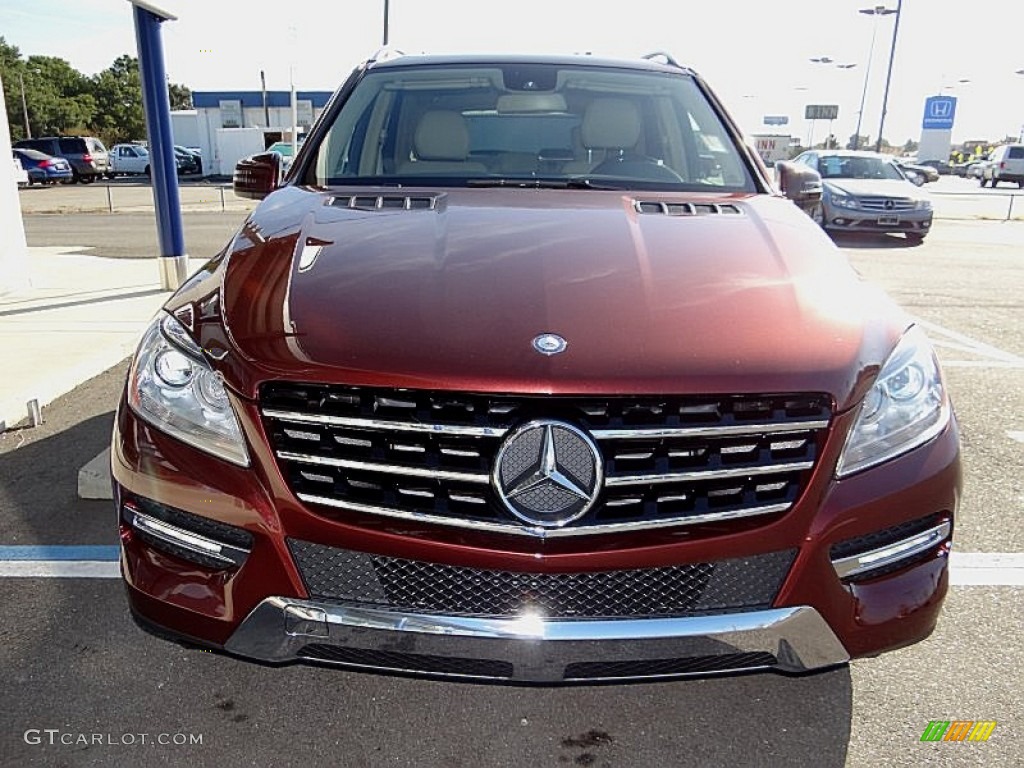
(385, 202)
(683, 209)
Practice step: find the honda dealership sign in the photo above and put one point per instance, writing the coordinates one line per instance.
(937, 128)
(939, 112)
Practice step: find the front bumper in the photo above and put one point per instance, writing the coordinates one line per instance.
(265, 610)
(531, 649)
(854, 220)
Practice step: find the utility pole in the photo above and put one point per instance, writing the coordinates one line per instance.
(24, 107)
(263, 88)
(888, 77)
(385, 22)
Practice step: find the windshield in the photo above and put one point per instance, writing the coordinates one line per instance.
(853, 167)
(527, 125)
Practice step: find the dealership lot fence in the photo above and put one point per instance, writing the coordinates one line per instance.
(984, 204)
(103, 197)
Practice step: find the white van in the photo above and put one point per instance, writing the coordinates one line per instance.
(1006, 163)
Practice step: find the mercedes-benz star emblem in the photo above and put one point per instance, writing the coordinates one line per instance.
(548, 473)
(550, 344)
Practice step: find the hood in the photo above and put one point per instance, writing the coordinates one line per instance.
(449, 290)
(874, 187)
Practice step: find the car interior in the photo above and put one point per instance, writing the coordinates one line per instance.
(515, 124)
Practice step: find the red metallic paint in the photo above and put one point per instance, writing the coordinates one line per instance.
(755, 302)
(451, 299)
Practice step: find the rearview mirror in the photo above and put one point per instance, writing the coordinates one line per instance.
(257, 176)
(914, 176)
(800, 183)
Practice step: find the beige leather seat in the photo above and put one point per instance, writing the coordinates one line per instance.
(610, 126)
(441, 145)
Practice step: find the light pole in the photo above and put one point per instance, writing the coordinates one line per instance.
(1020, 136)
(386, 9)
(827, 61)
(888, 76)
(878, 10)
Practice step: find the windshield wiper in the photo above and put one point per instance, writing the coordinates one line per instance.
(574, 183)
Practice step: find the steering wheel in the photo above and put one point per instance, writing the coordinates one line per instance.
(637, 167)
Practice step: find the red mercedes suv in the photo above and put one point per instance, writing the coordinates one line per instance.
(527, 371)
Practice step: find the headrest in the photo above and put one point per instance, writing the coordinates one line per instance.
(610, 124)
(441, 135)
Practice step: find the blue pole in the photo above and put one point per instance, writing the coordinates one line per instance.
(163, 167)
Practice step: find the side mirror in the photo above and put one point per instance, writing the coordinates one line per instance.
(800, 183)
(257, 176)
(914, 176)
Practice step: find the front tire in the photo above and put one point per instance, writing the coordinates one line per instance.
(818, 215)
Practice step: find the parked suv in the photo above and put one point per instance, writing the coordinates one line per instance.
(1006, 163)
(526, 371)
(87, 155)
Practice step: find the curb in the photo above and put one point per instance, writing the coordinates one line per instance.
(94, 478)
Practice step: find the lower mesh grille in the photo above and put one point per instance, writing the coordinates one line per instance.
(409, 662)
(689, 665)
(414, 586)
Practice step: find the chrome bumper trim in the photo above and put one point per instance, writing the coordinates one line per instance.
(538, 649)
(855, 565)
(218, 551)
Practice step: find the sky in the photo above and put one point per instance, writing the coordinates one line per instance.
(756, 54)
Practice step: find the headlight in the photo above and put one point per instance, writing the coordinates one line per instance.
(923, 205)
(907, 406)
(173, 388)
(843, 201)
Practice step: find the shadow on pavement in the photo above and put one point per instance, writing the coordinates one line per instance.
(866, 241)
(39, 466)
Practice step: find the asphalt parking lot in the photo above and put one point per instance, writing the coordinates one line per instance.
(73, 667)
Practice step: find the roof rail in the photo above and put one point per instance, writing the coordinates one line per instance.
(666, 58)
(385, 53)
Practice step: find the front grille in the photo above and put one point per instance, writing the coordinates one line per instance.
(429, 455)
(408, 662)
(687, 665)
(414, 586)
(886, 204)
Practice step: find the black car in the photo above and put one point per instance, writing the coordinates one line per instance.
(188, 161)
(87, 156)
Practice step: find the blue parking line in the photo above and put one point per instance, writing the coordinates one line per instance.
(92, 553)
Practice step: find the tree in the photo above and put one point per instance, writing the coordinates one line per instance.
(118, 93)
(62, 101)
(58, 97)
(181, 96)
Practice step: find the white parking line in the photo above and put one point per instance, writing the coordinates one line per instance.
(986, 569)
(60, 569)
(991, 357)
(1015, 435)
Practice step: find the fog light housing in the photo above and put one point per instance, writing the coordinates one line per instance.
(199, 540)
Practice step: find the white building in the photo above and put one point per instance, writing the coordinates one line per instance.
(223, 123)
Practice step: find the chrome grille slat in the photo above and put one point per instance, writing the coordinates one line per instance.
(385, 469)
(544, 533)
(428, 456)
(709, 474)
